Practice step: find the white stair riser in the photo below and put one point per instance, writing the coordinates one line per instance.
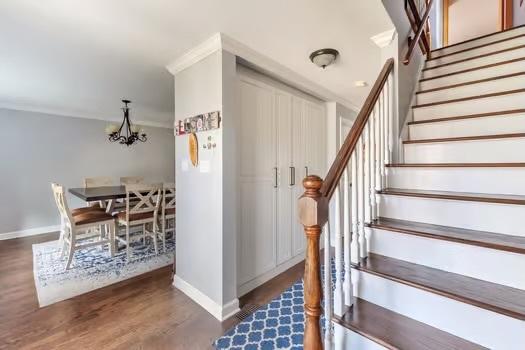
(352, 340)
(476, 52)
(476, 62)
(481, 41)
(487, 328)
(492, 86)
(474, 106)
(478, 74)
(509, 150)
(475, 180)
(502, 124)
(491, 217)
(473, 261)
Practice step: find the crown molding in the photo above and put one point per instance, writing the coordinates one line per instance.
(384, 39)
(258, 61)
(75, 114)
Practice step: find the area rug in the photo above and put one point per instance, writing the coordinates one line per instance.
(278, 325)
(92, 268)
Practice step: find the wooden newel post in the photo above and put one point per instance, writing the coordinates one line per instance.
(313, 214)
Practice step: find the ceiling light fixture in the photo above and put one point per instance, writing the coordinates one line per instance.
(324, 57)
(127, 134)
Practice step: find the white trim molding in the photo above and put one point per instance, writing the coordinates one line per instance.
(384, 39)
(29, 232)
(220, 312)
(257, 61)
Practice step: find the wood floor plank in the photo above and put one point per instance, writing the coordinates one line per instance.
(490, 296)
(395, 331)
(515, 244)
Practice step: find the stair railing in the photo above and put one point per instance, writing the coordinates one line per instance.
(361, 162)
(420, 26)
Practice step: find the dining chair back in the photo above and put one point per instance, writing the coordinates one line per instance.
(131, 180)
(167, 211)
(98, 181)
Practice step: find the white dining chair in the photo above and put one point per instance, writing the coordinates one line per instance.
(142, 206)
(167, 212)
(79, 228)
(131, 180)
(99, 181)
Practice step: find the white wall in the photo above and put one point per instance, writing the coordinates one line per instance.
(37, 149)
(518, 13)
(468, 19)
(206, 200)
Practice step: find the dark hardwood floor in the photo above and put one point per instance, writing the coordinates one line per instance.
(145, 312)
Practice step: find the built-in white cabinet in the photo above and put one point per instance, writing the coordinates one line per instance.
(282, 139)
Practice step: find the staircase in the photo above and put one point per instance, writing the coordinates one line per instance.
(434, 257)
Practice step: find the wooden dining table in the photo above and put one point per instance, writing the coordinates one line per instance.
(106, 195)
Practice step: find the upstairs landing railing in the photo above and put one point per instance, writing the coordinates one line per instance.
(420, 26)
(361, 161)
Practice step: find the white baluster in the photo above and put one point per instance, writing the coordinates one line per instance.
(383, 139)
(348, 288)
(338, 293)
(355, 219)
(327, 289)
(373, 207)
(366, 187)
(378, 157)
(360, 198)
(390, 94)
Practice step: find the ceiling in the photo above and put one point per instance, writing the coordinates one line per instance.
(80, 58)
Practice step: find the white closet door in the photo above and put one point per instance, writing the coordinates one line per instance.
(315, 132)
(283, 117)
(299, 162)
(257, 192)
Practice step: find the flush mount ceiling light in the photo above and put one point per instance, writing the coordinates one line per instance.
(128, 133)
(324, 57)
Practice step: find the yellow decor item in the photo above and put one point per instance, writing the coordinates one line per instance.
(194, 149)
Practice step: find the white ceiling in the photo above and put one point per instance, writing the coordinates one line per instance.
(81, 58)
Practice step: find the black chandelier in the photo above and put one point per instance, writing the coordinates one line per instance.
(127, 134)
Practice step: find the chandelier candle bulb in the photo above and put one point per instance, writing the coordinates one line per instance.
(111, 129)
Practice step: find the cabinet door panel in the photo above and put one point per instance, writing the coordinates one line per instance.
(315, 121)
(283, 119)
(299, 161)
(257, 236)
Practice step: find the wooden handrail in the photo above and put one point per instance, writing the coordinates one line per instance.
(418, 34)
(343, 156)
(415, 23)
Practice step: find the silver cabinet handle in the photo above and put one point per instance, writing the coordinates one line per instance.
(292, 176)
(275, 177)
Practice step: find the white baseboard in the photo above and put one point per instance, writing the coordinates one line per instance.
(29, 232)
(220, 312)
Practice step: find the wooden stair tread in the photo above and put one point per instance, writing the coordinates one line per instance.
(460, 196)
(456, 165)
(469, 98)
(476, 38)
(471, 82)
(490, 65)
(469, 116)
(487, 295)
(395, 331)
(476, 47)
(515, 244)
(492, 53)
(465, 138)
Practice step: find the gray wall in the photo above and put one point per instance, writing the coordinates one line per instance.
(37, 149)
(518, 14)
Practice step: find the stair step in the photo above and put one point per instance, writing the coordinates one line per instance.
(486, 295)
(481, 40)
(475, 61)
(515, 244)
(466, 138)
(474, 50)
(457, 196)
(500, 83)
(456, 165)
(489, 70)
(468, 116)
(395, 331)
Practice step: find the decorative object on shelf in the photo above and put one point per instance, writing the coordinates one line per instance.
(324, 57)
(193, 145)
(201, 122)
(127, 134)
